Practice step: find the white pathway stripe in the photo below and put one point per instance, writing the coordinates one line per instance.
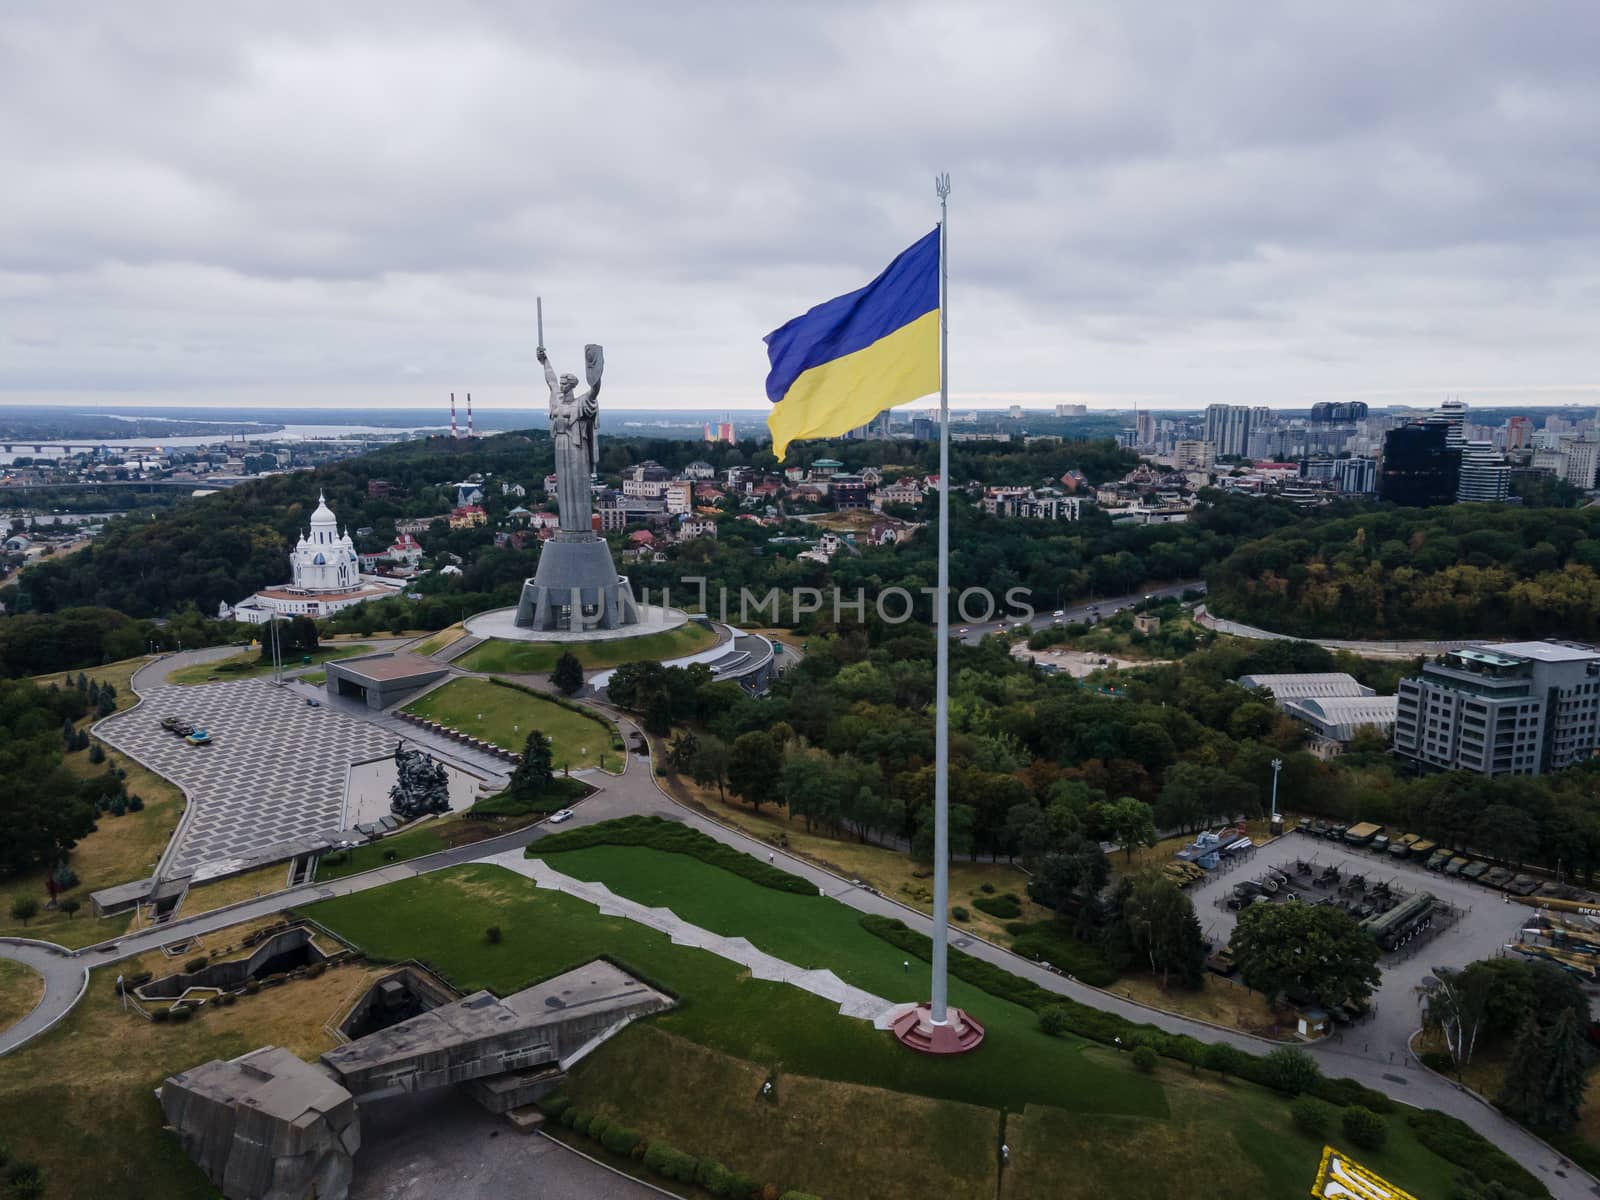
(852, 1001)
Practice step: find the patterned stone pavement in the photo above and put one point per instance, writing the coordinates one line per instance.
(276, 771)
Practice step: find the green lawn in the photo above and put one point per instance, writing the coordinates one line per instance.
(535, 658)
(440, 918)
(813, 932)
(249, 665)
(504, 715)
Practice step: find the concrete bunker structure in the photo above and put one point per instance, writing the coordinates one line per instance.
(266, 1126)
(382, 680)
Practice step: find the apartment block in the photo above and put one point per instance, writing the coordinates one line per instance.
(1510, 708)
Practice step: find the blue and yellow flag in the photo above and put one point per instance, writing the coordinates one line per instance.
(849, 358)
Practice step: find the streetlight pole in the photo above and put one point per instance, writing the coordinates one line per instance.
(1277, 765)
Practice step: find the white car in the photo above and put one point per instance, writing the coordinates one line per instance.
(564, 815)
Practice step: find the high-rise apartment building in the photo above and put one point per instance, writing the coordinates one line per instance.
(1580, 463)
(1192, 455)
(1484, 476)
(1453, 413)
(1356, 476)
(1144, 428)
(1419, 467)
(1072, 410)
(1348, 413)
(1513, 708)
(1228, 429)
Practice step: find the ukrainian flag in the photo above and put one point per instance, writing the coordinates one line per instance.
(849, 358)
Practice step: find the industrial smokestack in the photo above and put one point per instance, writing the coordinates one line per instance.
(469, 416)
(453, 432)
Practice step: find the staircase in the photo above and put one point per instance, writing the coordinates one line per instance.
(457, 648)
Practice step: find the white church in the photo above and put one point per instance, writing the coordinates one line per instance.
(327, 577)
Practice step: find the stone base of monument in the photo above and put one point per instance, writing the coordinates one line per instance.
(501, 623)
(576, 587)
(915, 1029)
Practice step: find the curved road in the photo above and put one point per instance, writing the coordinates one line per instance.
(637, 791)
(1412, 649)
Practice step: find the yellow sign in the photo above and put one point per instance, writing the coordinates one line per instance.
(1341, 1178)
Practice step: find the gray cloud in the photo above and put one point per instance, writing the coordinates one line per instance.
(1190, 203)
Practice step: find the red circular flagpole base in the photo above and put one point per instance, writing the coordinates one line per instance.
(915, 1030)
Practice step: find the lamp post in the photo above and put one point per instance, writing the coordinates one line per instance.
(1277, 765)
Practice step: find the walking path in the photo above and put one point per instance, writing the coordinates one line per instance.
(638, 792)
(1401, 649)
(64, 976)
(852, 1001)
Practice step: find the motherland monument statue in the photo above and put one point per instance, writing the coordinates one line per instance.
(576, 586)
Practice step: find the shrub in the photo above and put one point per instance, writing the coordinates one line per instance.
(987, 889)
(135, 803)
(740, 1186)
(160, 1016)
(493, 934)
(316, 969)
(251, 987)
(554, 1105)
(25, 1181)
(1438, 1060)
(1312, 1115)
(658, 833)
(1342, 1093)
(619, 1139)
(960, 914)
(227, 999)
(1047, 941)
(181, 1012)
(198, 963)
(569, 1116)
(1225, 1059)
(1364, 1128)
(1291, 1070)
(711, 1175)
(1002, 907)
(669, 1163)
(1457, 1142)
(1055, 1020)
(1144, 1058)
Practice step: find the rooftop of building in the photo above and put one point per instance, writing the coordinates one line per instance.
(388, 667)
(1325, 684)
(1549, 650)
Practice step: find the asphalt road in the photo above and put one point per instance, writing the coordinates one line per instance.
(1089, 610)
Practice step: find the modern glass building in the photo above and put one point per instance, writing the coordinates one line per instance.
(1419, 466)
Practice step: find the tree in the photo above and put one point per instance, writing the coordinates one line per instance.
(1454, 1008)
(1306, 951)
(24, 908)
(534, 774)
(1292, 1070)
(681, 751)
(1522, 1093)
(658, 714)
(1162, 927)
(70, 906)
(755, 768)
(710, 765)
(568, 675)
(1131, 822)
(1065, 876)
(1566, 1076)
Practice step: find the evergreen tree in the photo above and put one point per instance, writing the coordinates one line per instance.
(1564, 1079)
(532, 778)
(658, 714)
(1522, 1094)
(568, 675)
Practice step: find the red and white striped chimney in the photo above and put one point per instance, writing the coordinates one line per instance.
(453, 432)
(469, 416)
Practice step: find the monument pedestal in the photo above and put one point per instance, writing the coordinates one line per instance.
(915, 1030)
(576, 587)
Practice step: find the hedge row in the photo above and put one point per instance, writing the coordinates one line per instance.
(1457, 1142)
(675, 838)
(1005, 908)
(1069, 1016)
(664, 1160)
(1046, 941)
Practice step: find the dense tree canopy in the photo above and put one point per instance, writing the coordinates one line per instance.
(1469, 570)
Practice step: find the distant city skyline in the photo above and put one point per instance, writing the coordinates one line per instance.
(1261, 206)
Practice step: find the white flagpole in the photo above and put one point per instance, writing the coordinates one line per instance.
(941, 702)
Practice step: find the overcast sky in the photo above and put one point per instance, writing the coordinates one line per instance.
(356, 204)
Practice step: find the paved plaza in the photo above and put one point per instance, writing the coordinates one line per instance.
(1487, 924)
(276, 770)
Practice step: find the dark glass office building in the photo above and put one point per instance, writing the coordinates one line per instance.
(1419, 467)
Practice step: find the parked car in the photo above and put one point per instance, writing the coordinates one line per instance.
(313, 702)
(564, 814)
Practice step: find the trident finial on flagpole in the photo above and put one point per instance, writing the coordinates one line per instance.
(941, 184)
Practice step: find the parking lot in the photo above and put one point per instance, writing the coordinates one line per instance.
(1483, 923)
